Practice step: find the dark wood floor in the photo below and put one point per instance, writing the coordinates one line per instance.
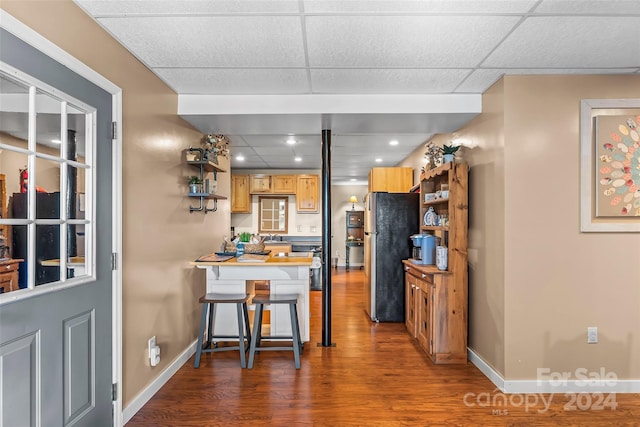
(374, 376)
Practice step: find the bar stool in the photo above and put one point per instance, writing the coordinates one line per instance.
(208, 303)
(256, 342)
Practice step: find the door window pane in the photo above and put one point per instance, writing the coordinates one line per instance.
(48, 122)
(48, 171)
(14, 113)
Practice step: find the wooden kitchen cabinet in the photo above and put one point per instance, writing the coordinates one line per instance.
(260, 184)
(411, 301)
(283, 184)
(392, 180)
(240, 197)
(272, 184)
(307, 193)
(9, 275)
(436, 313)
(5, 230)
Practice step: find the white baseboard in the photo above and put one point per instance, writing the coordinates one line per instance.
(487, 370)
(143, 397)
(588, 385)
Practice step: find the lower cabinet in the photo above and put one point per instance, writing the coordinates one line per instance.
(436, 314)
(9, 275)
(411, 301)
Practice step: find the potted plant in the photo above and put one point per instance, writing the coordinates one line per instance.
(449, 152)
(195, 184)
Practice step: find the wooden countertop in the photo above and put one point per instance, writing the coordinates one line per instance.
(271, 261)
(9, 261)
(71, 262)
(426, 269)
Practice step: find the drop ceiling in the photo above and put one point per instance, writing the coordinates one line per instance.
(264, 71)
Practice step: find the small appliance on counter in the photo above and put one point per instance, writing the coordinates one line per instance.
(424, 249)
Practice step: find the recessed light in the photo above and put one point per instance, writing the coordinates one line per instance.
(394, 142)
(240, 158)
(291, 141)
(378, 160)
(298, 159)
(56, 141)
(353, 179)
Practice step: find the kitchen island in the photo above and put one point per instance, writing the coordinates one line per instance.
(287, 273)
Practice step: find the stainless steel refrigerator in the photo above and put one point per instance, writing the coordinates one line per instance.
(390, 218)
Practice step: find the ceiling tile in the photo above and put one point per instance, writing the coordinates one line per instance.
(409, 41)
(183, 7)
(237, 141)
(386, 80)
(266, 151)
(621, 7)
(413, 6)
(263, 41)
(235, 81)
(544, 42)
(482, 79)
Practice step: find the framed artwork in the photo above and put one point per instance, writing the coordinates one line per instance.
(610, 165)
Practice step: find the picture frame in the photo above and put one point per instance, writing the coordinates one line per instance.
(610, 165)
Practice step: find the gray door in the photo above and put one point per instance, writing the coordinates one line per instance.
(56, 347)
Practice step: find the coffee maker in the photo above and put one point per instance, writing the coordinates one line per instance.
(424, 249)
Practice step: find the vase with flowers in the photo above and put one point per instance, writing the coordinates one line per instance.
(214, 146)
(433, 155)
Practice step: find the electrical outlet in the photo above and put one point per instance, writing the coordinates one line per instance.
(299, 229)
(154, 351)
(592, 335)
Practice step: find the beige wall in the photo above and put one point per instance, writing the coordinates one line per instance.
(160, 236)
(559, 281)
(535, 281)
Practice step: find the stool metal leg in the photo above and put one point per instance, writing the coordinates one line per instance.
(247, 325)
(210, 343)
(295, 309)
(243, 360)
(203, 320)
(257, 332)
(295, 334)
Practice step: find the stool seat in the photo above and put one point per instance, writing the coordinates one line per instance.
(296, 343)
(275, 299)
(208, 302)
(224, 298)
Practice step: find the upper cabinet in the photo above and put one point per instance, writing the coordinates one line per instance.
(240, 197)
(392, 180)
(307, 193)
(284, 184)
(260, 184)
(272, 184)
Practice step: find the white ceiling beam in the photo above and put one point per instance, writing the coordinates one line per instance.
(329, 104)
